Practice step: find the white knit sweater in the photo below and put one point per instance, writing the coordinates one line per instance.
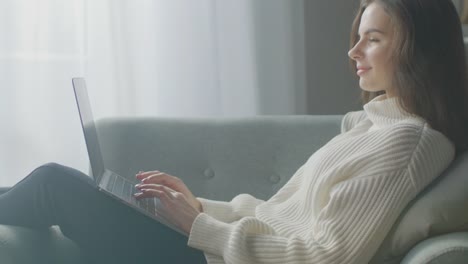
(339, 206)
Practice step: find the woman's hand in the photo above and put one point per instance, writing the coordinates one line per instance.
(180, 205)
(176, 184)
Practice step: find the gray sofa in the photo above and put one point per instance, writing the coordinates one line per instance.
(219, 158)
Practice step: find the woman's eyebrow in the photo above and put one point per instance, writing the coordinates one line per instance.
(372, 30)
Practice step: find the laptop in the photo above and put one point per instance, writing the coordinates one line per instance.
(111, 183)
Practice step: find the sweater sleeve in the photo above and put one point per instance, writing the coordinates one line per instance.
(348, 229)
(351, 119)
(242, 205)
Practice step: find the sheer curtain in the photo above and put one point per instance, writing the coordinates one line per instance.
(140, 58)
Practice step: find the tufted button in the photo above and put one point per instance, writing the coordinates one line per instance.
(209, 173)
(275, 178)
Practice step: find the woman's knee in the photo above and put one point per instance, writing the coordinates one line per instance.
(56, 172)
(51, 166)
(49, 170)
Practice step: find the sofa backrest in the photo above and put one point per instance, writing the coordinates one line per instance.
(217, 158)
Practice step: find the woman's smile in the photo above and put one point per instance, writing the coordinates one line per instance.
(362, 70)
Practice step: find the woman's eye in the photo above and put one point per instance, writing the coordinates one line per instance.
(373, 40)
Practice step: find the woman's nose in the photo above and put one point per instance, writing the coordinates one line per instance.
(354, 53)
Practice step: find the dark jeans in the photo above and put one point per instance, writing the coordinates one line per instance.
(106, 230)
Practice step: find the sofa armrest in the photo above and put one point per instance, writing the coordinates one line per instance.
(447, 249)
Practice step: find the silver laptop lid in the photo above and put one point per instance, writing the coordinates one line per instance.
(89, 128)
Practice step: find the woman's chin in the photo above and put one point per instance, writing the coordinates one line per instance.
(367, 87)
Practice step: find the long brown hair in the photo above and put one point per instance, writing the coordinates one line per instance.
(430, 77)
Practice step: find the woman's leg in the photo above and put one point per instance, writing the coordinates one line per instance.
(104, 228)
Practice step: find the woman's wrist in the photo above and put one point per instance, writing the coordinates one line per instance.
(199, 205)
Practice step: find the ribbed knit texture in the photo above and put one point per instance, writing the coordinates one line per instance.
(339, 206)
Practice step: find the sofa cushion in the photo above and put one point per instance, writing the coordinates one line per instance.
(440, 208)
(20, 245)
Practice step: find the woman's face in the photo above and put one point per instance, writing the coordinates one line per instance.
(373, 51)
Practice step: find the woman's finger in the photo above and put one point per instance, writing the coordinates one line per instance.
(151, 193)
(147, 187)
(155, 178)
(159, 178)
(143, 174)
(166, 180)
(152, 186)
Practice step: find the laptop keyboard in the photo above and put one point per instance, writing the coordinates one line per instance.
(125, 189)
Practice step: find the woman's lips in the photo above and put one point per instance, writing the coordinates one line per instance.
(362, 70)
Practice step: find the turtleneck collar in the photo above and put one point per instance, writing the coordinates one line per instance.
(383, 111)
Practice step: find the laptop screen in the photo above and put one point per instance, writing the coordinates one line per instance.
(89, 128)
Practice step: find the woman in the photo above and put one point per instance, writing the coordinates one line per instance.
(338, 207)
